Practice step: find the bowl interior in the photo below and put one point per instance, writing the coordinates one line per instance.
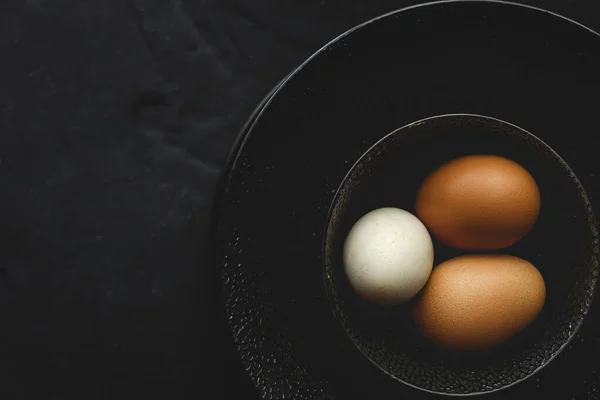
(563, 245)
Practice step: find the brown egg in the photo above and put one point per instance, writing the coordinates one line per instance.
(475, 302)
(479, 202)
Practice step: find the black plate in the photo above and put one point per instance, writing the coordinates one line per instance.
(519, 64)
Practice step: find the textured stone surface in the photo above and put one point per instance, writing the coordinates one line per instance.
(115, 119)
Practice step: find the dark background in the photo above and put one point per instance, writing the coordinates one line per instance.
(115, 120)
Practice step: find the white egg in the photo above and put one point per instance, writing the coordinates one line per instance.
(388, 256)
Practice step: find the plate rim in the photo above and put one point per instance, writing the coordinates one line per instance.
(246, 130)
(232, 158)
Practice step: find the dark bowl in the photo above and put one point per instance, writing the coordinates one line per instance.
(563, 245)
(518, 64)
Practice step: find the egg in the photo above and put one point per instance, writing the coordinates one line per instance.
(388, 256)
(479, 202)
(476, 302)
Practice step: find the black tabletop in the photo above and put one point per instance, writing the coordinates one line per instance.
(115, 120)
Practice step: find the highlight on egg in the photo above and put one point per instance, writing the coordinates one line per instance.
(479, 202)
(388, 256)
(476, 302)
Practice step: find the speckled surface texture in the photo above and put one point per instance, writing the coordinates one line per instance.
(115, 120)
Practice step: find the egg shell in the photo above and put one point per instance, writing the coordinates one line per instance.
(475, 302)
(479, 202)
(388, 256)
